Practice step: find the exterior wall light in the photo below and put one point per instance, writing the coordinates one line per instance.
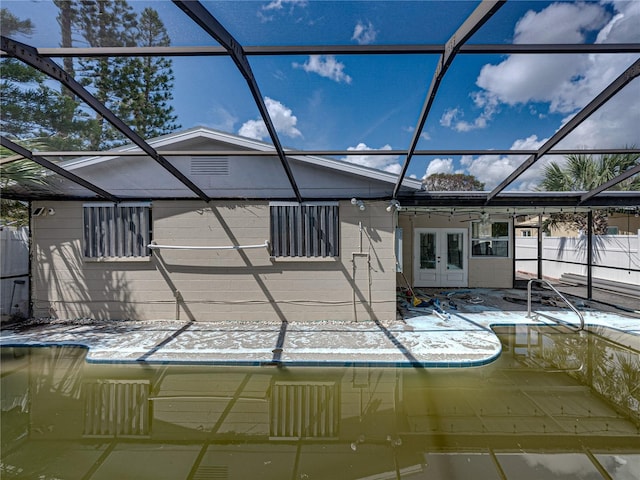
(393, 204)
(358, 203)
(43, 211)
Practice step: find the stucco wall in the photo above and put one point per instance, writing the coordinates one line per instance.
(206, 285)
(491, 272)
(488, 272)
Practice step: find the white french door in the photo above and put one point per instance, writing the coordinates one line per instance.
(440, 257)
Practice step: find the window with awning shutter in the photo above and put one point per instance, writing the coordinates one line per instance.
(305, 229)
(122, 230)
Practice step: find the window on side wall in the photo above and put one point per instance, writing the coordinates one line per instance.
(117, 231)
(490, 239)
(305, 229)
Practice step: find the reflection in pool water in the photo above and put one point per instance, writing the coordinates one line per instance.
(555, 404)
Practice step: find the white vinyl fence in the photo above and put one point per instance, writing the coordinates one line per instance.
(14, 271)
(616, 258)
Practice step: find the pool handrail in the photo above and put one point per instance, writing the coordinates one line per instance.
(569, 304)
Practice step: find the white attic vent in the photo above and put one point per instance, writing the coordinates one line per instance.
(209, 166)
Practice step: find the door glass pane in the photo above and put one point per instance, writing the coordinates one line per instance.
(454, 251)
(428, 250)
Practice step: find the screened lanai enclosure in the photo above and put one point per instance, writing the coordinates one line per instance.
(239, 195)
(508, 121)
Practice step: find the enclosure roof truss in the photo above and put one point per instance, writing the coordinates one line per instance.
(456, 45)
(29, 55)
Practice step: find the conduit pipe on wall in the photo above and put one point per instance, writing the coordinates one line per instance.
(179, 299)
(155, 246)
(353, 274)
(353, 260)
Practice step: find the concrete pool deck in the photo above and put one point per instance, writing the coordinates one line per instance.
(450, 340)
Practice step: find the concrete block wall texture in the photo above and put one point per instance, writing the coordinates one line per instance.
(215, 285)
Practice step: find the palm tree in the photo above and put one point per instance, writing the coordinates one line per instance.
(583, 172)
(586, 172)
(24, 173)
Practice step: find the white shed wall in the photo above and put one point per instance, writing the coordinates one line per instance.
(14, 269)
(621, 252)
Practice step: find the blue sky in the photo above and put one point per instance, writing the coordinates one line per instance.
(373, 102)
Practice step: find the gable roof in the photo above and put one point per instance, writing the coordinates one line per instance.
(251, 166)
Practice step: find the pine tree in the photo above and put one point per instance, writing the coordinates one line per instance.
(12, 24)
(66, 17)
(31, 109)
(15, 100)
(105, 23)
(65, 20)
(137, 90)
(18, 87)
(147, 109)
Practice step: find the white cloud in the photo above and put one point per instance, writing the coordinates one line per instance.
(560, 80)
(253, 129)
(563, 465)
(490, 170)
(280, 4)
(364, 34)
(283, 120)
(529, 143)
(493, 169)
(452, 117)
(623, 27)
(268, 12)
(439, 165)
(560, 23)
(566, 83)
(423, 135)
(325, 66)
(614, 125)
(388, 163)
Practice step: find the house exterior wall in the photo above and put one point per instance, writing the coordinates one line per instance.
(486, 272)
(628, 224)
(215, 285)
(491, 272)
(232, 177)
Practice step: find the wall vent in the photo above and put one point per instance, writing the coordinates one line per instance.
(209, 166)
(304, 410)
(116, 408)
(211, 472)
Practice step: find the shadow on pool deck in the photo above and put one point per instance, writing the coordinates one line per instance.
(457, 335)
